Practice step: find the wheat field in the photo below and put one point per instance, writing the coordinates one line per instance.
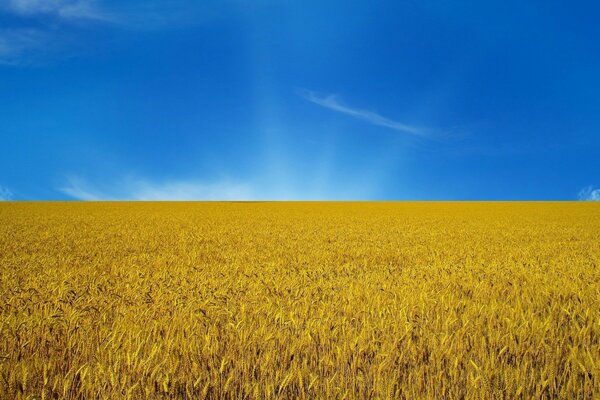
(299, 300)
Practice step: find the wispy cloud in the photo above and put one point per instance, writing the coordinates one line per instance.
(135, 14)
(18, 46)
(39, 31)
(40, 27)
(5, 194)
(67, 9)
(332, 102)
(144, 190)
(589, 193)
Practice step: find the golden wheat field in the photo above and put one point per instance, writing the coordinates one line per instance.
(300, 300)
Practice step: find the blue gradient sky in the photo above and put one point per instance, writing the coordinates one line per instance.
(231, 99)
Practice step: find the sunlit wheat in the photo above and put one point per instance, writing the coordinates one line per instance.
(299, 300)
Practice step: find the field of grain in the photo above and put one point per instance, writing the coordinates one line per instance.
(299, 300)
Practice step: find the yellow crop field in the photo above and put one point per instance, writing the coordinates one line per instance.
(299, 300)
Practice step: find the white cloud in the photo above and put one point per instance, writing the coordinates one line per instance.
(331, 102)
(589, 193)
(45, 25)
(136, 14)
(31, 42)
(144, 190)
(67, 9)
(16, 45)
(80, 190)
(5, 194)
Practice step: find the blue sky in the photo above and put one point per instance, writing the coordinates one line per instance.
(232, 99)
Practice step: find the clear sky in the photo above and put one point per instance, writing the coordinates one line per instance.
(236, 99)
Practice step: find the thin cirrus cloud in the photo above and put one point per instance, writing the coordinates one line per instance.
(136, 14)
(67, 9)
(589, 193)
(30, 41)
(144, 190)
(43, 26)
(5, 194)
(332, 102)
(15, 44)
(28, 46)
